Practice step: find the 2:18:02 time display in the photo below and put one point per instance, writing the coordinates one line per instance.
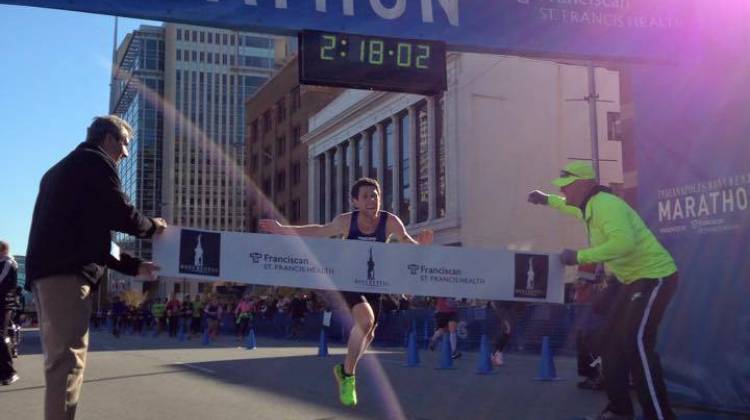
(372, 62)
(375, 51)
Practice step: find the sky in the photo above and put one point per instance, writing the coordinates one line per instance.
(53, 81)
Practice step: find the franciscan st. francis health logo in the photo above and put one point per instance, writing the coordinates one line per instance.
(370, 281)
(531, 276)
(200, 252)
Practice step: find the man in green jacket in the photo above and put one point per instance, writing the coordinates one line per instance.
(619, 238)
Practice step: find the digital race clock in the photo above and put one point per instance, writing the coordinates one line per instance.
(372, 62)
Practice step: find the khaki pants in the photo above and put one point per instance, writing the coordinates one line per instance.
(64, 307)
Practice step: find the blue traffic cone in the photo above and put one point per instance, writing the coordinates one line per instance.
(323, 345)
(250, 342)
(412, 351)
(547, 371)
(181, 335)
(484, 366)
(446, 361)
(206, 339)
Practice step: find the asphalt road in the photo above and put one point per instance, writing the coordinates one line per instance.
(137, 377)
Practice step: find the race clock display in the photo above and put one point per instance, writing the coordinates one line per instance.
(372, 62)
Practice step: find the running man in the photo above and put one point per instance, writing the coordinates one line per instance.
(367, 223)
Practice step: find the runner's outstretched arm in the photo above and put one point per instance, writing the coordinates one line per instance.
(337, 226)
(396, 228)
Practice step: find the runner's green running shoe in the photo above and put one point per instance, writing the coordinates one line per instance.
(347, 386)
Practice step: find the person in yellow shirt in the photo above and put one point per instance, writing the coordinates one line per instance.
(620, 239)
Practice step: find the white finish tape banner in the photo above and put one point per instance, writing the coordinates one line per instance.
(361, 266)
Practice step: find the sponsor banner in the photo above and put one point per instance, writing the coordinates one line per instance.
(358, 265)
(691, 148)
(631, 29)
(712, 206)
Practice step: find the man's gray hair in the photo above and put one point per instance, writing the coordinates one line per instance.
(108, 124)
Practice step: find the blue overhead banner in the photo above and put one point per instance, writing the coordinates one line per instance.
(614, 29)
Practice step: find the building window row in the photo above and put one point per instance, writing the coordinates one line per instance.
(218, 38)
(222, 59)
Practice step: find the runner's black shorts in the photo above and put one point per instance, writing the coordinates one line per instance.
(442, 318)
(355, 298)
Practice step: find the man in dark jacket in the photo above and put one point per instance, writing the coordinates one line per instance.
(80, 202)
(8, 281)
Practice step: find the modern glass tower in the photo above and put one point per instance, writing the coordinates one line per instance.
(183, 90)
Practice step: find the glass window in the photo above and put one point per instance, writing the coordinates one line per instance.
(295, 99)
(281, 147)
(253, 162)
(257, 42)
(322, 190)
(359, 156)
(267, 121)
(296, 173)
(296, 135)
(440, 157)
(375, 154)
(614, 126)
(280, 110)
(333, 160)
(347, 167)
(267, 155)
(254, 131)
(404, 168)
(179, 34)
(295, 211)
(202, 36)
(281, 181)
(422, 163)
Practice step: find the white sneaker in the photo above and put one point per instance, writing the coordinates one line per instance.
(10, 380)
(497, 359)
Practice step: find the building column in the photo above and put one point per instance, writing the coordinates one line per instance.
(352, 156)
(396, 178)
(380, 136)
(413, 133)
(365, 139)
(329, 174)
(432, 160)
(338, 152)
